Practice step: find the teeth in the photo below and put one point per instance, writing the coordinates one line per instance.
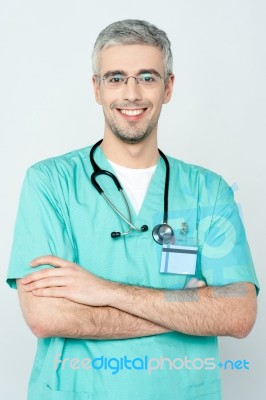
(132, 112)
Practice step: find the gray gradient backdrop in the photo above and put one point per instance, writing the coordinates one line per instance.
(216, 119)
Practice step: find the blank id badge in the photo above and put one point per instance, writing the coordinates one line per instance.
(179, 257)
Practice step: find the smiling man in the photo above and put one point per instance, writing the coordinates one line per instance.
(121, 68)
(149, 300)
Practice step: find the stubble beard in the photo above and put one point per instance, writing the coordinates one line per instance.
(131, 134)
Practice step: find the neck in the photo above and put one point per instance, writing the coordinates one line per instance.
(140, 155)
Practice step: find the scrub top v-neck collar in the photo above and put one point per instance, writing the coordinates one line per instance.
(154, 198)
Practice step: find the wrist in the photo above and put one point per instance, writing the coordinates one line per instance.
(123, 296)
(114, 293)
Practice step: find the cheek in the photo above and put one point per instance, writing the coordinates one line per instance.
(159, 102)
(158, 98)
(106, 99)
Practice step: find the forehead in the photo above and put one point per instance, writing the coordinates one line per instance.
(131, 58)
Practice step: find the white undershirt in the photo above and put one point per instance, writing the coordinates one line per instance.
(135, 182)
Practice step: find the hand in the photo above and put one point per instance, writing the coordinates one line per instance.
(194, 283)
(68, 280)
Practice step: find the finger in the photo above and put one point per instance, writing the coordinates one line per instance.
(194, 283)
(50, 292)
(201, 284)
(42, 274)
(50, 260)
(46, 283)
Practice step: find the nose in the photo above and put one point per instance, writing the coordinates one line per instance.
(132, 90)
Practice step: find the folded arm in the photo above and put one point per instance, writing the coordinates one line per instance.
(207, 311)
(228, 310)
(60, 317)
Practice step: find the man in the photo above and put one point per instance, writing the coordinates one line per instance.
(112, 322)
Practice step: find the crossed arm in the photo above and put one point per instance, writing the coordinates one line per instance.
(60, 317)
(69, 301)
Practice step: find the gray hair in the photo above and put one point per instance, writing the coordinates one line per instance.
(133, 31)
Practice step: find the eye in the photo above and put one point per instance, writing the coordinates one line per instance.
(148, 78)
(115, 79)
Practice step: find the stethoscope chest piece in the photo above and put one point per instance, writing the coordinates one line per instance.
(163, 233)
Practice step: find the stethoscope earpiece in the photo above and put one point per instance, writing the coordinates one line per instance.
(115, 235)
(144, 228)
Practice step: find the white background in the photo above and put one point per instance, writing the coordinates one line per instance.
(216, 119)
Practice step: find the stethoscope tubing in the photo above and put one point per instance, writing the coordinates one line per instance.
(158, 230)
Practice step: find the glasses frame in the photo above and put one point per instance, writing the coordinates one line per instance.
(137, 79)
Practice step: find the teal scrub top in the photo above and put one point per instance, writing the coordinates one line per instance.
(61, 213)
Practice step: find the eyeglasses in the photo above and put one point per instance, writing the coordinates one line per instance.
(147, 79)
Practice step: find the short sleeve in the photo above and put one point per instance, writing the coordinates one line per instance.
(225, 254)
(40, 228)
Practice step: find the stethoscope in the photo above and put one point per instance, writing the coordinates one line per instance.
(161, 233)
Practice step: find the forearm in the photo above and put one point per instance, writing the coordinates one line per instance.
(228, 310)
(89, 322)
(73, 320)
(58, 317)
(206, 311)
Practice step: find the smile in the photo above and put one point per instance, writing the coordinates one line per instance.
(133, 112)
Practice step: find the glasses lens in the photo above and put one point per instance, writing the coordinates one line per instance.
(149, 79)
(113, 81)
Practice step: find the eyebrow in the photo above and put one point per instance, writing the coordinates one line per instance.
(115, 72)
(121, 72)
(149, 71)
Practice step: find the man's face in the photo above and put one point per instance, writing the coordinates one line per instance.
(132, 110)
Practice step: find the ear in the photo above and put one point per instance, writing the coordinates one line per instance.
(96, 87)
(169, 89)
